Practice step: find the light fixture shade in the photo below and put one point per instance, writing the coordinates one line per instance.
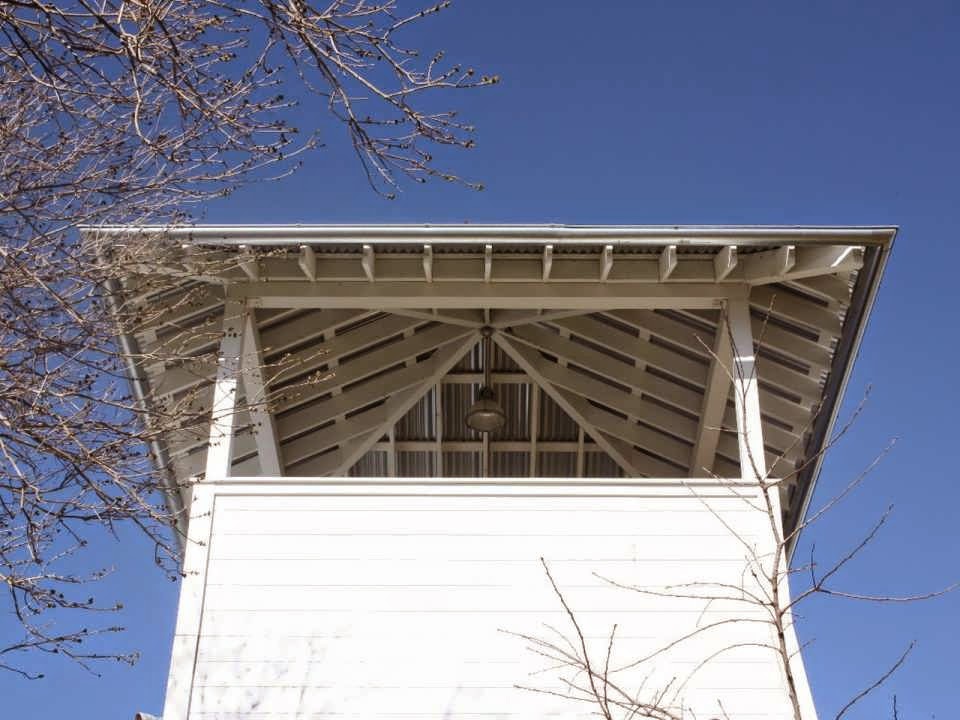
(486, 415)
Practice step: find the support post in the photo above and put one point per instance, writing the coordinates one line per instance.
(264, 427)
(753, 465)
(223, 415)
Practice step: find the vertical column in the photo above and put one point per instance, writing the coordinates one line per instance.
(255, 387)
(753, 464)
(223, 416)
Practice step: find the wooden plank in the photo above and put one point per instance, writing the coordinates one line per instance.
(224, 406)
(746, 395)
(532, 364)
(719, 382)
(558, 295)
(257, 401)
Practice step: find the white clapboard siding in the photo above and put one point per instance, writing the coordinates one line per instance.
(328, 601)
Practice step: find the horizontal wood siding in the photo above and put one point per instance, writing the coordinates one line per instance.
(338, 603)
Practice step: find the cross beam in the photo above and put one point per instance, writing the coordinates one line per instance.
(494, 296)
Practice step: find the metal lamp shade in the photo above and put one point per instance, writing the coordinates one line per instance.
(486, 415)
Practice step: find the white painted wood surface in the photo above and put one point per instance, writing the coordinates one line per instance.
(359, 598)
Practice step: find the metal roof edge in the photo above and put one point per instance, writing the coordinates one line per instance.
(862, 301)
(625, 235)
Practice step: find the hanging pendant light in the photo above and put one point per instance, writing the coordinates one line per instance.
(486, 415)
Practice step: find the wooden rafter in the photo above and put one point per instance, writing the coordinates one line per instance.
(719, 381)
(485, 295)
(398, 405)
(533, 364)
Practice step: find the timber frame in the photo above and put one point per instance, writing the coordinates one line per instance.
(353, 350)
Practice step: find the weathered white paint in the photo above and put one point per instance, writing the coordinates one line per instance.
(365, 598)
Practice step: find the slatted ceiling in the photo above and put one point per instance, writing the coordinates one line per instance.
(461, 464)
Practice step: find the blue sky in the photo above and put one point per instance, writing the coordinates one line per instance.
(672, 113)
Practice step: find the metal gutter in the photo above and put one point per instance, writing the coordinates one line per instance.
(161, 459)
(862, 301)
(617, 235)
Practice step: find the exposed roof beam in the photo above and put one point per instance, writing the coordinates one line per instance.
(547, 261)
(606, 262)
(790, 262)
(719, 381)
(386, 415)
(248, 263)
(368, 261)
(614, 370)
(428, 263)
(668, 262)
(463, 318)
(308, 262)
(724, 262)
(520, 295)
(532, 363)
(769, 265)
(195, 372)
(513, 318)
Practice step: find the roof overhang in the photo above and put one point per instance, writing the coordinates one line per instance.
(467, 274)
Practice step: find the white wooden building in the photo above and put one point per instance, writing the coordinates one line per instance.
(356, 550)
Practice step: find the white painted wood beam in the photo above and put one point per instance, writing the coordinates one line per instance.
(724, 262)
(606, 262)
(383, 295)
(746, 395)
(248, 263)
(275, 340)
(814, 261)
(503, 319)
(668, 262)
(264, 427)
(612, 369)
(531, 362)
(435, 368)
(463, 318)
(769, 265)
(368, 261)
(224, 408)
(428, 263)
(792, 263)
(719, 381)
(308, 262)
(547, 261)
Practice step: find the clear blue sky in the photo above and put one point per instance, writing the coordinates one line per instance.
(670, 113)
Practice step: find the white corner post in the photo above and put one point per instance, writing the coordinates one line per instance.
(753, 467)
(255, 387)
(753, 464)
(223, 415)
(219, 455)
